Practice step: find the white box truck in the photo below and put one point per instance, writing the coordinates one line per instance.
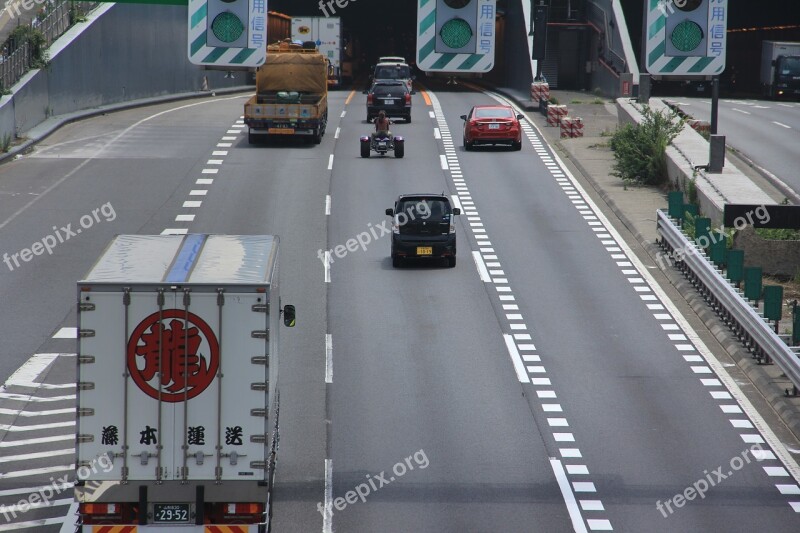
(780, 69)
(178, 396)
(326, 33)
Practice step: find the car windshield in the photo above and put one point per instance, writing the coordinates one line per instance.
(392, 72)
(493, 112)
(790, 66)
(425, 209)
(382, 90)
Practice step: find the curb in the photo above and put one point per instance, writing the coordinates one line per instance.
(111, 108)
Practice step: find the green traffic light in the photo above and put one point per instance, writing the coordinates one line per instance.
(686, 36)
(227, 27)
(456, 33)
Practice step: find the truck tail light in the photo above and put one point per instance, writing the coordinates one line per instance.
(244, 508)
(100, 508)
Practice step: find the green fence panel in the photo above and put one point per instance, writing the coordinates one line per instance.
(702, 231)
(719, 247)
(773, 302)
(752, 283)
(675, 199)
(735, 261)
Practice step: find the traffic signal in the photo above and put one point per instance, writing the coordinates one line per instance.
(539, 30)
(686, 37)
(228, 33)
(456, 35)
(687, 29)
(456, 26)
(228, 22)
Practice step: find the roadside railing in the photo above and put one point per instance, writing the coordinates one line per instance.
(16, 58)
(752, 329)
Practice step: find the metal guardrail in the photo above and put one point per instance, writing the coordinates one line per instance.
(752, 329)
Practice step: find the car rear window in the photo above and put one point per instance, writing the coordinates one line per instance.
(494, 112)
(394, 72)
(381, 90)
(430, 209)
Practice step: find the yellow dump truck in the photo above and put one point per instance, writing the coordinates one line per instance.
(291, 95)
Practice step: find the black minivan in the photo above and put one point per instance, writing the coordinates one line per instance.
(423, 227)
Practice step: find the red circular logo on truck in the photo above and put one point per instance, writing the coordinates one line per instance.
(181, 352)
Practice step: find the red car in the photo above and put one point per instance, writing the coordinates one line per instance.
(492, 124)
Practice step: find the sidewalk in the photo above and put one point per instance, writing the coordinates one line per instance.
(591, 160)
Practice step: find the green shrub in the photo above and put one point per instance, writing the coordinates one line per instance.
(35, 39)
(778, 234)
(640, 149)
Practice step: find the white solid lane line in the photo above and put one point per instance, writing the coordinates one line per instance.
(327, 527)
(781, 125)
(569, 497)
(328, 358)
(483, 272)
(519, 366)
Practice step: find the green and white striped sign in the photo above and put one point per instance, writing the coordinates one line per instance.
(227, 25)
(686, 37)
(465, 42)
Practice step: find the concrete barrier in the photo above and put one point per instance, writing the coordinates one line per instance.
(690, 150)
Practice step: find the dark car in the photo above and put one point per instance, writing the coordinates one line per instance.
(423, 227)
(393, 97)
(492, 124)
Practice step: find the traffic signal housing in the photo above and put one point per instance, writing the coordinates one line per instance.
(687, 28)
(228, 33)
(456, 26)
(456, 35)
(227, 23)
(686, 37)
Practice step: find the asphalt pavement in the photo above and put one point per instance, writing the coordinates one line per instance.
(551, 381)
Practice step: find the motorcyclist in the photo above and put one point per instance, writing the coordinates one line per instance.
(382, 124)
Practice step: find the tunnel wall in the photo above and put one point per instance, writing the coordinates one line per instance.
(123, 52)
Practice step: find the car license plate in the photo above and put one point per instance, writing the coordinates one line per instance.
(424, 250)
(170, 512)
(494, 126)
(381, 145)
(390, 101)
(282, 131)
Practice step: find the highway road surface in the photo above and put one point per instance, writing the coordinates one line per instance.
(544, 384)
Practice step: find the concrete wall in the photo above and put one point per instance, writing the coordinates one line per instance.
(123, 52)
(776, 258)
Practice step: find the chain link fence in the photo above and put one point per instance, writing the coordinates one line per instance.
(27, 49)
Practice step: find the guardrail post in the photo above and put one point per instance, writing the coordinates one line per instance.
(752, 284)
(675, 199)
(735, 269)
(795, 324)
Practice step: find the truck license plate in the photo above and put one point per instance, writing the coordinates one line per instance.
(170, 512)
(281, 131)
(424, 250)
